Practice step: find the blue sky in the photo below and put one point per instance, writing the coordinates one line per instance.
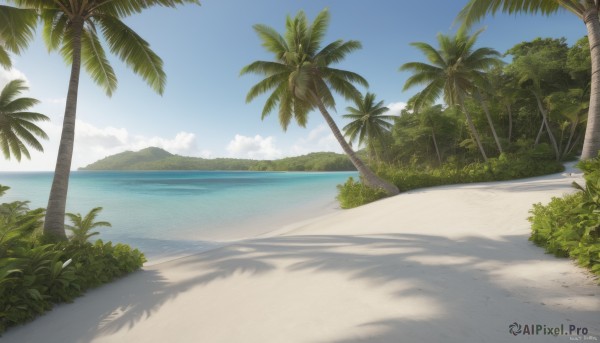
(203, 111)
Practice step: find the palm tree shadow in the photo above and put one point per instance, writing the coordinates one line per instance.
(434, 268)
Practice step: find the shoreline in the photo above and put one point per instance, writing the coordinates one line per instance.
(448, 263)
(287, 223)
(255, 228)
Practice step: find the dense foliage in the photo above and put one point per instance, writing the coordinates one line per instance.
(35, 275)
(159, 159)
(317, 161)
(505, 167)
(536, 105)
(570, 226)
(353, 194)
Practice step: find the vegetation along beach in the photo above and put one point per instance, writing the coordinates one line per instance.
(283, 171)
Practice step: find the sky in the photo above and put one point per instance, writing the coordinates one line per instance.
(203, 112)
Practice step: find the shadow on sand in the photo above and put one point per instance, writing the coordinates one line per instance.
(435, 267)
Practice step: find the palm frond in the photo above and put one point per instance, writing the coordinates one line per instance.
(272, 40)
(273, 100)
(265, 68)
(17, 26)
(317, 32)
(16, 127)
(95, 62)
(125, 8)
(475, 10)
(11, 90)
(431, 53)
(265, 85)
(336, 52)
(55, 24)
(25, 135)
(19, 104)
(301, 110)
(5, 61)
(134, 51)
(285, 110)
(429, 94)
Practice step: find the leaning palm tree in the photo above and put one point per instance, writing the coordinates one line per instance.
(455, 71)
(369, 122)
(17, 26)
(74, 29)
(17, 128)
(301, 79)
(587, 11)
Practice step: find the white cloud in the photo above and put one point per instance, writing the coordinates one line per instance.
(12, 74)
(108, 137)
(56, 101)
(256, 147)
(318, 139)
(395, 108)
(93, 143)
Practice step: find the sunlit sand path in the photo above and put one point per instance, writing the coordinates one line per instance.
(445, 264)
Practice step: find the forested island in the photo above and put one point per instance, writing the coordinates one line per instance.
(158, 159)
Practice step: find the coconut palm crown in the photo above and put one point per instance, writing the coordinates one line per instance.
(369, 122)
(456, 69)
(301, 79)
(587, 11)
(17, 128)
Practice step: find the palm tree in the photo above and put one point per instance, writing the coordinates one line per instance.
(481, 98)
(530, 71)
(74, 29)
(17, 128)
(587, 11)
(82, 225)
(301, 79)
(369, 122)
(455, 70)
(16, 30)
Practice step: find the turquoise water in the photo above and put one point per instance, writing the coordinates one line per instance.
(175, 211)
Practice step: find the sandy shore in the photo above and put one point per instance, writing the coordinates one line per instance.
(445, 264)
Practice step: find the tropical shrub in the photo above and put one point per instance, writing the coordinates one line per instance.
(570, 226)
(35, 275)
(505, 167)
(80, 230)
(352, 194)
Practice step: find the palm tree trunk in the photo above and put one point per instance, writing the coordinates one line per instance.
(575, 142)
(591, 142)
(367, 174)
(437, 150)
(571, 135)
(510, 122)
(472, 128)
(545, 122)
(489, 119)
(54, 224)
(539, 135)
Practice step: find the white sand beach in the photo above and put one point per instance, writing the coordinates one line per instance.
(445, 264)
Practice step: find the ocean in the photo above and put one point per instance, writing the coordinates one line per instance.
(172, 213)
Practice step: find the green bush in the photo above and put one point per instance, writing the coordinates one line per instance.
(505, 167)
(570, 226)
(34, 276)
(353, 194)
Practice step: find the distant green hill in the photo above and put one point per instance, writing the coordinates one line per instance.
(158, 159)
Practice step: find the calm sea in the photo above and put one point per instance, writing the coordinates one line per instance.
(174, 212)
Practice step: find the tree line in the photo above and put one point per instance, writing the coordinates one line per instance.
(537, 101)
